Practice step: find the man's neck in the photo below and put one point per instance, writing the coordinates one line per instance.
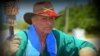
(42, 36)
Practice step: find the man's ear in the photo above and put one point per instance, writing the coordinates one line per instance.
(33, 19)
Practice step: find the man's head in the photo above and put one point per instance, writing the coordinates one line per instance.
(43, 16)
(43, 23)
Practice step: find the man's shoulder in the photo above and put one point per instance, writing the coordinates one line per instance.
(62, 37)
(61, 34)
(21, 34)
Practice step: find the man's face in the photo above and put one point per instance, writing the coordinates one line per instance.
(43, 23)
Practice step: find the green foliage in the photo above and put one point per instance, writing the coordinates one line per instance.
(21, 25)
(81, 16)
(59, 22)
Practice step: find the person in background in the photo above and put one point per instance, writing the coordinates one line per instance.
(42, 39)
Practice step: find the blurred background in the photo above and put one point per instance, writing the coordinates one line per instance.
(80, 18)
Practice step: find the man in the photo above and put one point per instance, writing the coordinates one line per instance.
(41, 39)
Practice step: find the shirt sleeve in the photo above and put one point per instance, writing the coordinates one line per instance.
(82, 44)
(23, 42)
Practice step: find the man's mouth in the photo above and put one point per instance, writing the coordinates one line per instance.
(48, 27)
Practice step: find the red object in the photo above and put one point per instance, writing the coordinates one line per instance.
(50, 13)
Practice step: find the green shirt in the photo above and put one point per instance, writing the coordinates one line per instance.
(66, 45)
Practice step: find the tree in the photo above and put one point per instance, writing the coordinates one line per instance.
(81, 16)
(21, 25)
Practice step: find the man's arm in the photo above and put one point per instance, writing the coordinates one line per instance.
(87, 51)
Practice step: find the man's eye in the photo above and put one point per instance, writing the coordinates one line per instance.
(43, 18)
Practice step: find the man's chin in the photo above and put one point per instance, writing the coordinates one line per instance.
(47, 31)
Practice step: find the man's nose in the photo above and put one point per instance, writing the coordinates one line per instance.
(49, 23)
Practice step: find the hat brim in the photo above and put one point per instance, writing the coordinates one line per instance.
(28, 16)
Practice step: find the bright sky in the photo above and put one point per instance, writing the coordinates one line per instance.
(58, 6)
